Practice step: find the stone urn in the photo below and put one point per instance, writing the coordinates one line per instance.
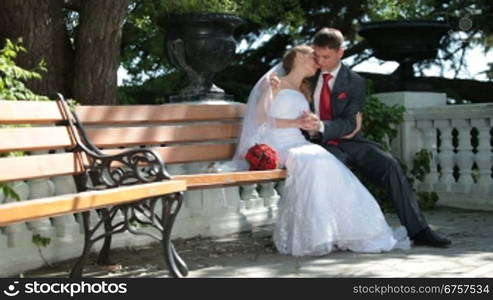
(407, 42)
(200, 44)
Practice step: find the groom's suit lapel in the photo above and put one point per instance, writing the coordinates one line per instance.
(340, 86)
(340, 89)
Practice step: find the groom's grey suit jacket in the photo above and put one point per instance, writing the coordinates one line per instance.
(348, 97)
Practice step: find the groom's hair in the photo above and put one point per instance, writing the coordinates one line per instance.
(328, 37)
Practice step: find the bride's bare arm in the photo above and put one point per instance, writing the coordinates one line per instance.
(288, 123)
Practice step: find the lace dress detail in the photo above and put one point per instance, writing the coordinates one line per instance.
(324, 206)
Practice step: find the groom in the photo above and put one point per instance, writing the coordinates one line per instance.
(338, 96)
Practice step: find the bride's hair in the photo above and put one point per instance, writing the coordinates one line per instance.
(290, 55)
(288, 64)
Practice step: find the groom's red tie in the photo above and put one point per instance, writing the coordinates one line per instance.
(325, 106)
(325, 103)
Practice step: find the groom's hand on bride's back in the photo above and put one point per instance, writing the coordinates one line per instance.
(359, 121)
(275, 82)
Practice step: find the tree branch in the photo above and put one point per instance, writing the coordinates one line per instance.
(73, 5)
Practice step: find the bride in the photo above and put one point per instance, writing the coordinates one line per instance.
(324, 206)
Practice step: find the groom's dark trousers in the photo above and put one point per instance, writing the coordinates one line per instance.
(348, 96)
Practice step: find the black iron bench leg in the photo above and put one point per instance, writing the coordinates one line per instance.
(104, 253)
(170, 207)
(88, 242)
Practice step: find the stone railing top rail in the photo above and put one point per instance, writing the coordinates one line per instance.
(459, 111)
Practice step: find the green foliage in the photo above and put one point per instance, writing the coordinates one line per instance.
(12, 77)
(153, 91)
(400, 9)
(380, 125)
(41, 241)
(427, 200)
(144, 32)
(419, 169)
(8, 192)
(289, 12)
(72, 104)
(421, 164)
(420, 9)
(270, 27)
(198, 6)
(12, 87)
(380, 121)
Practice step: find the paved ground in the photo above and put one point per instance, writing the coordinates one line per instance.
(253, 255)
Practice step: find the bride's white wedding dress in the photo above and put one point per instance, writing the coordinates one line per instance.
(324, 206)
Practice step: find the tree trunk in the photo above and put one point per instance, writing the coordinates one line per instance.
(41, 25)
(98, 44)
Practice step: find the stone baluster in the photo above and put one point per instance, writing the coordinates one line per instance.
(269, 194)
(491, 187)
(483, 156)
(219, 206)
(429, 134)
(3, 240)
(66, 226)
(93, 214)
(191, 205)
(253, 205)
(185, 224)
(271, 199)
(280, 189)
(18, 235)
(464, 156)
(41, 188)
(3, 237)
(251, 197)
(446, 156)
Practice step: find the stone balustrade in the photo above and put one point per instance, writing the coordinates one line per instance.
(460, 139)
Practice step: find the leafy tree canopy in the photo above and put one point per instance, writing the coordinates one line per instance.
(271, 26)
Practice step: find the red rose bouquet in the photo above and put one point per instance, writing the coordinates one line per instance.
(262, 157)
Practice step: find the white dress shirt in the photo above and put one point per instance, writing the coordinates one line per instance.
(318, 90)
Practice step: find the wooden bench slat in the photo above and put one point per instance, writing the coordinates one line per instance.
(125, 114)
(36, 166)
(190, 153)
(29, 112)
(196, 153)
(34, 138)
(48, 207)
(214, 180)
(131, 136)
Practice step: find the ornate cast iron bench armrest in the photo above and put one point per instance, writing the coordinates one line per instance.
(130, 167)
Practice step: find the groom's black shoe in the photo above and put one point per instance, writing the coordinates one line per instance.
(428, 237)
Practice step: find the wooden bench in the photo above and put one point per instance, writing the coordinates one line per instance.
(178, 133)
(128, 188)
